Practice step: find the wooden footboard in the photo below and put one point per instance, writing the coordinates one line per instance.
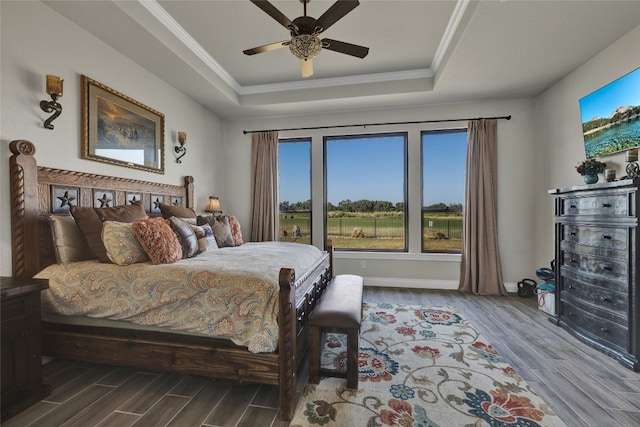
(297, 301)
(33, 193)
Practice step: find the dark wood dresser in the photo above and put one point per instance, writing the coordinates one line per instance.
(596, 250)
(21, 344)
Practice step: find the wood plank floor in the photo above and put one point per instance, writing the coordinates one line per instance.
(583, 386)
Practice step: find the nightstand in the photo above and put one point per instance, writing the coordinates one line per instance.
(21, 344)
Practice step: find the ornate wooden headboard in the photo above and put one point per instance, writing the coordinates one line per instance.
(37, 192)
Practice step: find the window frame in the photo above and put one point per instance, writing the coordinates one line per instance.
(308, 140)
(464, 130)
(405, 189)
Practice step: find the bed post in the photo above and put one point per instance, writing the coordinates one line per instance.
(287, 346)
(330, 251)
(24, 209)
(188, 187)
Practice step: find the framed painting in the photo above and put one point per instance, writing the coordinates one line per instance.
(119, 130)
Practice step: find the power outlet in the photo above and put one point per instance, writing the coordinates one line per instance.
(363, 264)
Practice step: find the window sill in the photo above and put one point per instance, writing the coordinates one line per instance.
(400, 256)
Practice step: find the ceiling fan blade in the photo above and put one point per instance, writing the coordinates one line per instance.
(346, 48)
(266, 47)
(273, 12)
(339, 9)
(306, 66)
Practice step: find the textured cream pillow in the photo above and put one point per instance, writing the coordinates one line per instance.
(69, 244)
(204, 234)
(221, 229)
(122, 245)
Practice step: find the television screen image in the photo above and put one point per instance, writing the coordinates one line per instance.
(611, 117)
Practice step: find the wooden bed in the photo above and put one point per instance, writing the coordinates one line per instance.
(34, 189)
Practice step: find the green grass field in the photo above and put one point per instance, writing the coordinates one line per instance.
(382, 231)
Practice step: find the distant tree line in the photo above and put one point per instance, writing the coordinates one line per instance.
(596, 123)
(365, 205)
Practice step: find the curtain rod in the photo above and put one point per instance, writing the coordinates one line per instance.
(378, 124)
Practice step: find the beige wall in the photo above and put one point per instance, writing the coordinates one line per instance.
(36, 41)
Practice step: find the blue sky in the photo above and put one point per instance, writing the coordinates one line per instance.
(372, 169)
(295, 176)
(443, 167)
(604, 101)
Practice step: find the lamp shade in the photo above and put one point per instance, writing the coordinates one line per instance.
(213, 205)
(54, 85)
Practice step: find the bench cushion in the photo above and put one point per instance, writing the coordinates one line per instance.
(341, 304)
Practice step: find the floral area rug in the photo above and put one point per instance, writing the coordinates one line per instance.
(421, 366)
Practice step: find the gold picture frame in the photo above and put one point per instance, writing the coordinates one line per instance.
(119, 130)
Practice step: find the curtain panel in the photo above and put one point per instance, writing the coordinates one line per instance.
(264, 187)
(481, 268)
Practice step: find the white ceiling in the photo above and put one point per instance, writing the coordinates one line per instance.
(421, 51)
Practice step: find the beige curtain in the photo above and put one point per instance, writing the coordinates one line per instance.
(481, 269)
(264, 186)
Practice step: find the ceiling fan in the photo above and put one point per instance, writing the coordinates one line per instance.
(305, 42)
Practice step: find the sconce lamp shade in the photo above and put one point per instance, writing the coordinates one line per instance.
(54, 89)
(181, 149)
(214, 205)
(54, 86)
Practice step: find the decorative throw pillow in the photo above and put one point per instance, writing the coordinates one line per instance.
(186, 236)
(236, 233)
(178, 211)
(91, 227)
(69, 244)
(90, 220)
(204, 234)
(221, 229)
(158, 240)
(129, 213)
(122, 246)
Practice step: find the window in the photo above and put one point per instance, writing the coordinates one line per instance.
(443, 172)
(294, 168)
(366, 192)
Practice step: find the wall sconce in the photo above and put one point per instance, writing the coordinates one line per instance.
(214, 205)
(182, 139)
(54, 88)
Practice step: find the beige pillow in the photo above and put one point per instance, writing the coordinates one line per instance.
(69, 244)
(204, 234)
(121, 244)
(221, 229)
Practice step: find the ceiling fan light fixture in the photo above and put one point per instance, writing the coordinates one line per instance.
(305, 46)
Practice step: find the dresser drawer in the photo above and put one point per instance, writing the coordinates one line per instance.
(609, 265)
(621, 286)
(604, 237)
(604, 331)
(599, 297)
(607, 205)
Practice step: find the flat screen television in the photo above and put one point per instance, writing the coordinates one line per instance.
(611, 116)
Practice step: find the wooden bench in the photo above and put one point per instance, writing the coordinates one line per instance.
(339, 311)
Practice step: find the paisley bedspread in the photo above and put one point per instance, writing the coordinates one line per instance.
(229, 293)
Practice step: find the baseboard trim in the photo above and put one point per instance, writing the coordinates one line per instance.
(422, 283)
